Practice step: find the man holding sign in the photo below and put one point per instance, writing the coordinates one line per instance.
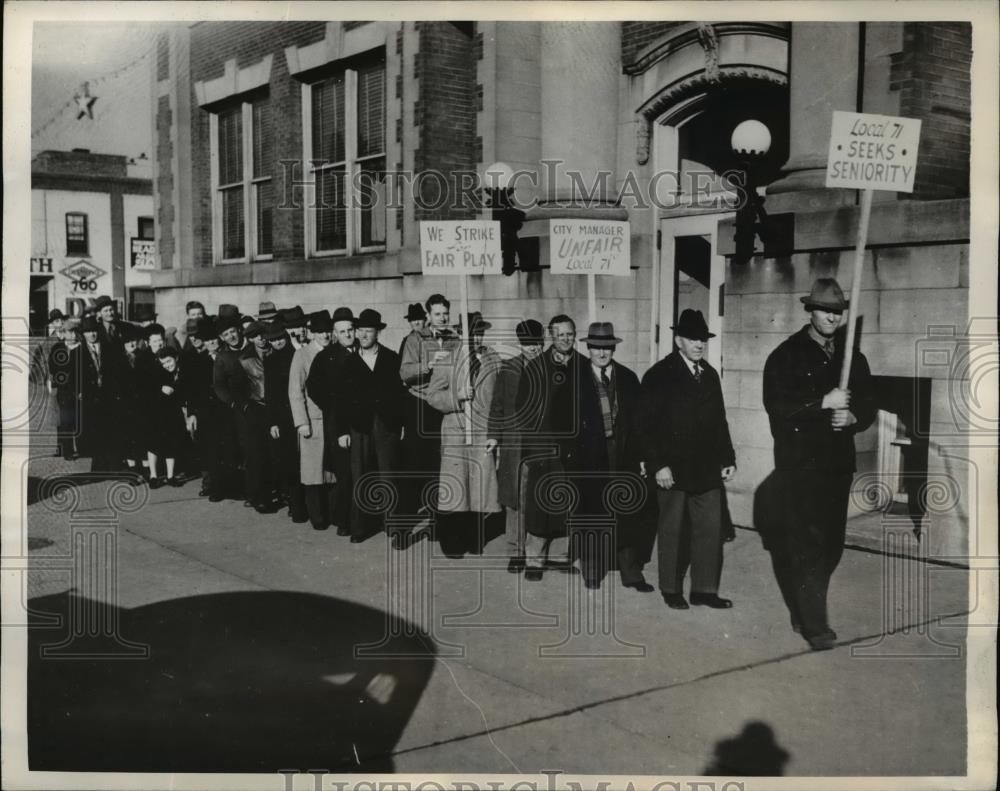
(813, 422)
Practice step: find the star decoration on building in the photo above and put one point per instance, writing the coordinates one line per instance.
(85, 103)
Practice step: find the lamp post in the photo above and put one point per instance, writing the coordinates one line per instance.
(750, 141)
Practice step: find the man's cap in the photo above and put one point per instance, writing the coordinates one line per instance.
(320, 321)
(530, 331)
(343, 314)
(55, 315)
(103, 301)
(692, 326)
(228, 312)
(370, 318)
(415, 311)
(266, 311)
(826, 294)
(602, 335)
(254, 328)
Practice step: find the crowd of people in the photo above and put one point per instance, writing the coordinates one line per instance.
(587, 464)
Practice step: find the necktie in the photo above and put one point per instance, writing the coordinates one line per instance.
(828, 348)
(697, 373)
(606, 381)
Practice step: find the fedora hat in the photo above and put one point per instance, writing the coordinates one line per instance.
(266, 311)
(692, 325)
(254, 328)
(320, 321)
(292, 317)
(343, 314)
(415, 312)
(89, 324)
(274, 331)
(56, 315)
(229, 312)
(144, 313)
(826, 295)
(370, 318)
(224, 323)
(601, 334)
(206, 328)
(103, 301)
(476, 322)
(530, 331)
(130, 333)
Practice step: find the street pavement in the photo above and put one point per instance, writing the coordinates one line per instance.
(236, 635)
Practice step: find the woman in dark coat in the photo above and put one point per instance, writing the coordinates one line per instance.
(167, 418)
(130, 423)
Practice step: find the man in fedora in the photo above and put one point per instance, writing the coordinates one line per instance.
(373, 411)
(690, 454)
(605, 443)
(284, 450)
(504, 438)
(266, 311)
(109, 327)
(317, 483)
(325, 386)
(416, 317)
(259, 474)
(813, 422)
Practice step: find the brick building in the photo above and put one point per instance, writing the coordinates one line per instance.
(254, 120)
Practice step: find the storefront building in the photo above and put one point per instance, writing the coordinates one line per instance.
(266, 131)
(92, 233)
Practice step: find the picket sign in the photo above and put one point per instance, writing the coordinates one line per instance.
(591, 248)
(461, 247)
(869, 152)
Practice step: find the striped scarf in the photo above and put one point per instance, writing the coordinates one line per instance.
(609, 406)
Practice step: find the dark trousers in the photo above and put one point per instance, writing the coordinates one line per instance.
(810, 542)
(376, 451)
(216, 446)
(421, 453)
(67, 426)
(255, 429)
(97, 437)
(284, 462)
(321, 502)
(689, 533)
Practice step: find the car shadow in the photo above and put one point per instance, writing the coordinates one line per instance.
(227, 682)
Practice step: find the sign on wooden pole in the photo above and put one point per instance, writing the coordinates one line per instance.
(591, 248)
(869, 152)
(463, 248)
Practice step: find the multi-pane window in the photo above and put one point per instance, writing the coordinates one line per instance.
(345, 118)
(243, 141)
(146, 228)
(77, 238)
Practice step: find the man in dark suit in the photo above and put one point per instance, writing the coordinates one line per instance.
(546, 405)
(325, 387)
(232, 388)
(109, 327)
(605, 442)
(96, 363)
(813, 422)
(373, 412)
(690, 453)
(504, 440)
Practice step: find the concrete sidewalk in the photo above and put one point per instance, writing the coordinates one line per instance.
(526, 677)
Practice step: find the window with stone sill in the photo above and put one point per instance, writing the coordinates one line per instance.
(243, 161)
(344, 122)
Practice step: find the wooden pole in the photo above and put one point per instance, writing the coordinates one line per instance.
(853, 310)
(461, 358)
(592, 296)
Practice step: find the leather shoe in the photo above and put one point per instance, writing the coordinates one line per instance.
(343, 531)
(712, 600)
(398, 541)
(823, 641)
(516, 564)
(591, 583)
(642, 586)
(357, 539)
(533, 573)
(675, 601)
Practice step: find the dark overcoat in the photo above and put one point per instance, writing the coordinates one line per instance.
(684, 424)
(368, 392)
(796, 377)
(504, 428)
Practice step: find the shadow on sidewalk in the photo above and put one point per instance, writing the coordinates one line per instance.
(231, 682)
(753, 753)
